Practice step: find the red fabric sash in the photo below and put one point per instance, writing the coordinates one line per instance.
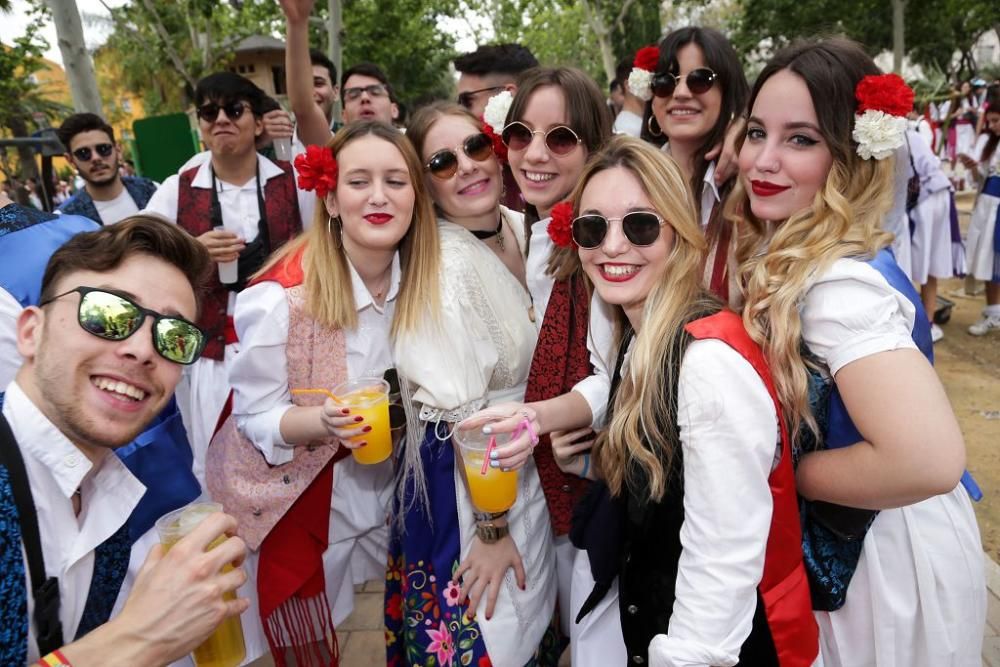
(783, 585)
(561, 360)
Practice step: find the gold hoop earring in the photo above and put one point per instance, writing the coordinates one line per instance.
(649, 126)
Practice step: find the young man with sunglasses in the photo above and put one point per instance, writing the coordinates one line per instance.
(107, 196)
(489, 70)
(241, 207)
(102, 355)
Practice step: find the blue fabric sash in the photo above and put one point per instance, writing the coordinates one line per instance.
(831, 557)
(992, 188)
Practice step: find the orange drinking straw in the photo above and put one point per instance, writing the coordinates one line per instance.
(318, 391)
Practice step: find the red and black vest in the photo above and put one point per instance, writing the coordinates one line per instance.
(194, 206)
(561, 360)
(784, 631)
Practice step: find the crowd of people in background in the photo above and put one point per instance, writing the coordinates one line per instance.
(691, 314)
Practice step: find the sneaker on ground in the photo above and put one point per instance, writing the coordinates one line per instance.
(936, 333)
(985, 325)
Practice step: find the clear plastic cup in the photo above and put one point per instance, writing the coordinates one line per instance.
(229, 272)
(491, 489)
(369, 398)
(283, 149)
(225, 646)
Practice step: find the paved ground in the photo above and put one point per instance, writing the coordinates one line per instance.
(968, 366)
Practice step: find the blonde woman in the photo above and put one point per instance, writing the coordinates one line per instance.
(323, 310)
(841, 325)
(696, 459)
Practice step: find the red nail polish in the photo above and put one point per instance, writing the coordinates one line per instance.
(366, 429)
(488, 617)
(345, 411)
(362, 444)
(359, 418)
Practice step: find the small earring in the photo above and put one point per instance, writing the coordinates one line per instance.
(338, 238)
(649, 126)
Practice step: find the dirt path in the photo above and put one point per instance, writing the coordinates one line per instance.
(969, 367)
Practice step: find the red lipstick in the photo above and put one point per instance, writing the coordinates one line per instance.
(766, 188)
(378, 218)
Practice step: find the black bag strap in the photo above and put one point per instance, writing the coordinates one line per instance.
(44, 590)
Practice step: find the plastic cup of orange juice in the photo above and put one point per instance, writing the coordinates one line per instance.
(224, 647)
(491, 489)
(369, 398)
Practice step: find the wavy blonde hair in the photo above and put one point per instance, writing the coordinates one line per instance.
(329, 294)
(844, 219)
(637, 449)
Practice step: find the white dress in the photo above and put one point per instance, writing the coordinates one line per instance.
(479, 354)
(361, 493)
(918, 596)
(930, 242)
(984, 260)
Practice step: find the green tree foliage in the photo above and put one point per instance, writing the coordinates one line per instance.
(934, 28)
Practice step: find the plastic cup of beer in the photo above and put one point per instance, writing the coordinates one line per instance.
(283, 149)
(492, 489)
(368, 397)
(229, 272)
(224, 647)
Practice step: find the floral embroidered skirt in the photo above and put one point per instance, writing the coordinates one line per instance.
(425, 624)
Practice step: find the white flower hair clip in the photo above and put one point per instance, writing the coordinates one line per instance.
(497, 107)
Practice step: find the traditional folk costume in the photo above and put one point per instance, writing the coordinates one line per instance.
(936, 247)
(264, 212)
(476, 355)
(984, 226)
(912, 592)
(88, 554)
(712, 573)
(313, 518)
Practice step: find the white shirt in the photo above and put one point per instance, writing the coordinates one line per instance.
(259, 373)
(600, 332)
(238, 202)
(116, 209)
(56, 468)
(628, 123)
(728, 431)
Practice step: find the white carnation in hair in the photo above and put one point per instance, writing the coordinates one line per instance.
(639, 83)
(496, 110)
(878, 134)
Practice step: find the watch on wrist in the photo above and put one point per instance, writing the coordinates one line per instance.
(490, 533)
(488, 516)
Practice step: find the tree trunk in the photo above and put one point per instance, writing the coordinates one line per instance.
(898, 35)
(26, 162)
(603, 34)
(335, 46)
(76, 60)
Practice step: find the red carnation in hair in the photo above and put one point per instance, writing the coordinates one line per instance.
(884, 92)
(561, 225)
(499, 147)
(317, 169)
(646, 58)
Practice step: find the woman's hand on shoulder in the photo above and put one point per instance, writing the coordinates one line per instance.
(483, 571)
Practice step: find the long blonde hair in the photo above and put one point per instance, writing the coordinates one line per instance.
(844, 219)
(329, 294)
(637, 449)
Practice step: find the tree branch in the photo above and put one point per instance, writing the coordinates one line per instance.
(622, 13)
(175, 59)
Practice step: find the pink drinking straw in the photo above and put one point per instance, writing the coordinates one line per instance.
(486, 457)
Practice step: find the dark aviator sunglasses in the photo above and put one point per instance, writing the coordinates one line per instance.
(115, 317)
(210, 112)
(85, 153)
(444, 163)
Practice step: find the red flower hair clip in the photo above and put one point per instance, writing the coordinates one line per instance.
(647, 58)
(499, 147)
(561, 225)
(317, 169)
(887, 93)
